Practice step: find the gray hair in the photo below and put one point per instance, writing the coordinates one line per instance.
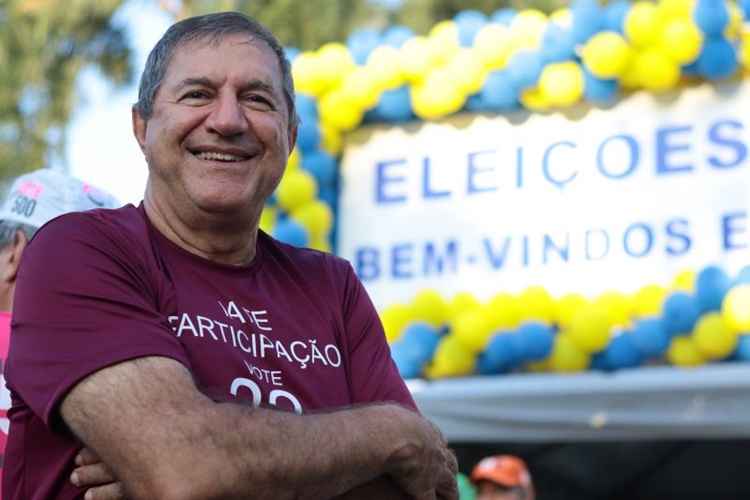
(211, 27)
(8, 231)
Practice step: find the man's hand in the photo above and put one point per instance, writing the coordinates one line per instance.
(92, 473)
(424, 467)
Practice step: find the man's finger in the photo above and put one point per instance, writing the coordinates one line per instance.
(87, 457)
(112, 491)
(91, 475)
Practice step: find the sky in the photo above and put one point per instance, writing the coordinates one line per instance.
(101, 148)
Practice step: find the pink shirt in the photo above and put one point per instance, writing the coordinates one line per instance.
(4, 394)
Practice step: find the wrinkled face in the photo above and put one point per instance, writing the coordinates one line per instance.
(219, 136)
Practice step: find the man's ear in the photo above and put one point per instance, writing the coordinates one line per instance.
(292, 135)
(139, 128)
(10, 257)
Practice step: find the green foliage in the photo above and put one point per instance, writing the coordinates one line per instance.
(44, 44)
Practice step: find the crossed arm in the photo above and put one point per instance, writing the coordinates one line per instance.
(161, 438)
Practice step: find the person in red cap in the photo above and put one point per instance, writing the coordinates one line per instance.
(502, 477)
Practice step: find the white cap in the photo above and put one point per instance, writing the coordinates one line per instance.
(40, 196)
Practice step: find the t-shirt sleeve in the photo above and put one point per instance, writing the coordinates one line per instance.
(374, 375)
(83, 302)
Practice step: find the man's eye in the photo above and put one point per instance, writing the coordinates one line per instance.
(258, 99)
(195, 94)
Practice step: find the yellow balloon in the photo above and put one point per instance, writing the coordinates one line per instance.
(429, 306)
(567, 307)
(267, 219)
(331, 140)
(562, 83)
(308, 74)
(296, 188)
(630, 78)
(607, 55)
(417, 58)
(648, 300)
(451, 359)
(566, 357)
(467, 71)
(493, 44)
(591, 330)
(684, 352)
(617, 306)
(321, 244)
(533, 99)
(443, 42)
(713, 337)
(504, 311)
(527, 29)
(293, 162)
(395, 317)
(682, 41)
(684, 281)
(643, 24)
(536, 304)
(385, 68)
(437, 96)
(315, 216)
(733, 30)
(540, 366)
(676, 9)
(736, 308)
(340, 111)
(744, 52)
(656, 71)
(473, 329)
(461, 303)
(335, 62)
(562, 17)
(362, 87)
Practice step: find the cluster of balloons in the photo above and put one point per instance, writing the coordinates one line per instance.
(699, 318)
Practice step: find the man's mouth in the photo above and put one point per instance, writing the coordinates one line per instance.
(226, 157)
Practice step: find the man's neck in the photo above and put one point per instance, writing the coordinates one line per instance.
(6, 297)
(220, 241)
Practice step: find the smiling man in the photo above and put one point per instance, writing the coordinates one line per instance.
(195, 355)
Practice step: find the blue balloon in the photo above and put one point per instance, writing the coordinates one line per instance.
(680, 312)
(290, 232)
(536, 340)
(711, 285)
(614, 16)
(398, 35)
(650, 337)
(745, 6)
(587, 21)
(421, 340)
(524, 68)
(711, 16)
(272, 200)
(622, 352)
(499, 92)
(394, 105)
(691, 69)
(468, 23)
(321, 165)
(743, 277)
(407, 366)
(503, 16)
(599, 362)
(598, 90)
(742, 353)
(718, 59)
(361, 43)
(306, 106)
(502, 353)
(330, 196)
(558, 44)
(475, 104)
(308, 136)
(291, 53)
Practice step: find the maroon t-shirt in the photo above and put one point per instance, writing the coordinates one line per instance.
(295, 329)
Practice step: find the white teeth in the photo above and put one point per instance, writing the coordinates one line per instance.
(209, 155)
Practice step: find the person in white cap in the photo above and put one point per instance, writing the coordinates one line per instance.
(195, 355)
(33, 200)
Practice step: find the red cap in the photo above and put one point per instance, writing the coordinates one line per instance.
(505, 470)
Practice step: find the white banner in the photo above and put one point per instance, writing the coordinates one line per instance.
(585, 201)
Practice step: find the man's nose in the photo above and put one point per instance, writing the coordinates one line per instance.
(227, 117)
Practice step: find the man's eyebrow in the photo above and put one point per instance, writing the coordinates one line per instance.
(257, 84)
(189, 82)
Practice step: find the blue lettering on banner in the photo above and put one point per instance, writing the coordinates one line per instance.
(383, 180)
(635, 156)
(732, 228)
(737, 145)
(666, 148)
(496, 256)
(677, 233)
(474, 170)
(367, 263)
(557, 181)
(436, 263)
(402, 258)
(427, 190)
(648, 239)
(519, 167)
(589, 244)
(562, 251)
